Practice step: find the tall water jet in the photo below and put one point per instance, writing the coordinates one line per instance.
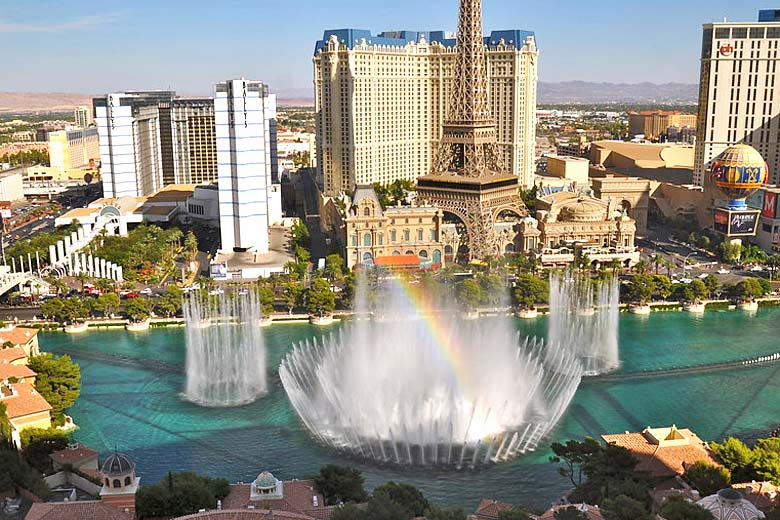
(225, 349)
(421, 387)
(584, 318)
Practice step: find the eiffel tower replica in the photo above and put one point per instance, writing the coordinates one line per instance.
(468, 179)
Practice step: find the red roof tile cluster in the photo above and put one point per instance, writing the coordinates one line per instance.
(8, 370)
(663, 461)
(591, 512)
(298, 496)
(26, 401)
(489, 509)
(92, 509)
(9, 355)
(246, 514)
(763, 495)
(17, 335)
(73, 455)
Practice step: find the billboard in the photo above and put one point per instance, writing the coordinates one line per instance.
(769, 208)
(218, 271)
(735, 223)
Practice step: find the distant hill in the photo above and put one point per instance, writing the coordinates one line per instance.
(26, 102)
(581, 92)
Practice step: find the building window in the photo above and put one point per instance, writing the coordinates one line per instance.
(117, 483)
(419, 235)
(127, 481)
(434, 235)
(393, 236)
(354, 240)
(367, 240)
(381, 239)
(366, 211)
(406, 235)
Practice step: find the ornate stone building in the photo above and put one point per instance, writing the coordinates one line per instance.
(568, 224)
(374, 232)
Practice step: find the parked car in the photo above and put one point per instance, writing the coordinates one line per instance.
(131, 295)
(756, 269)
(702, 276)
(723, 271)
(146, 292)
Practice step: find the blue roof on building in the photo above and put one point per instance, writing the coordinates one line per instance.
(353, 37)
(769, 15)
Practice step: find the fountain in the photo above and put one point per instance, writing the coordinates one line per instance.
(418, 386)
(225, 350)
(584, 316)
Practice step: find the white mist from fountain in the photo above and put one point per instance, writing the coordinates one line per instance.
(418, 386)
(225, 349)
(584, 318)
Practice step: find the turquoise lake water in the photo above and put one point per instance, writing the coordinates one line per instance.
(131, 384)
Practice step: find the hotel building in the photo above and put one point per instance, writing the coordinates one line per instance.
(381, 102)
(82, 116)
(75, 148)
(245, 117)
(153, 139)
(737, 102)
(654, 123)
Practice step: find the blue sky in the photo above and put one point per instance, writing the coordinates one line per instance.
(93, 46)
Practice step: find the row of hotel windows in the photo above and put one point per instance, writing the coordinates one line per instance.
(742, 32)
(367, 242)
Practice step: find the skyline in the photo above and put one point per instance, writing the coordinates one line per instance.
(149, 45)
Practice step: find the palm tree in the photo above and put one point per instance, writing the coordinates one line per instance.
(642, 266)
(57, 284)
(615, 265)
(657, 261)
(82, 277)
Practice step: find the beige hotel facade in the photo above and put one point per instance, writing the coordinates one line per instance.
(381, 100)
(739, 98)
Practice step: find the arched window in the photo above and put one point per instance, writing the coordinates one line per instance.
(409, 252)
(436, 256)
(117, 483)
(366, 211)
(423, 254)
(367, 257)
(447, 250)
(396, 253)
(367, 240)
(128, 481)
(108, 482)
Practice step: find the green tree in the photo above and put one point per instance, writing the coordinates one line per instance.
(695, 291)
(468, 294)
(614, 265)
(729, 252)
(624, 508)
(712, 284)
(57, 285)
(492, 289)
(572, 455)
(191, 245)
(437, 513)
(348, 512)
(641, 288)
(736, 457)
(530, 290)
(180, 494)
(340, 484)
(107, 303)
(516, 513)
(663, 286)
(39, 443)
(382, 508)
(642, 267)
(570, 513)
(83, 278)
(72, 310)
(137, 309)
(266, 297)
(170, 302)
(676, 507)
(707, 478)
(334, 267)
(52, 309)
(320, 300)
(293, 294)
(58, 381)
(749, 289)
(405, 495)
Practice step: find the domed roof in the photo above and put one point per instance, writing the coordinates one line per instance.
(582, 210)
(739, 171)
(265, 480)
(728, 504)
(742, 155)
(117, 464)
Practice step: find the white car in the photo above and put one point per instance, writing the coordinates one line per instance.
(145, 292)
(723, 271)
(685, 280)
(702, 276)
(756, 268)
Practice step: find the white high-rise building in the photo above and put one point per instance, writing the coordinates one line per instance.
(82, 116)
(245, 117)
(381, 101)
(738, 82)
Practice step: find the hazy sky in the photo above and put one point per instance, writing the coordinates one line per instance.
(94, 46)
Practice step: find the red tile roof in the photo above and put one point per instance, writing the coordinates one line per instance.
(397, 261)
(26, 401)
(17, 335)
(491, 508)
(72, 455)
(298, 496)
(763, 495)
(18, 371)
(9, 355)
(591, 512)
(663, 461)
(245, 514)
(91, 509)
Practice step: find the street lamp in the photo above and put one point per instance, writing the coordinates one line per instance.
(685, 262)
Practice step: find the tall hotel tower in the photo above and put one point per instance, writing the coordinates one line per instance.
(381, 101)
(738, 82)
(245, 116)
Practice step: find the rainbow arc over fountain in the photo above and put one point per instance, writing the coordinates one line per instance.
(418, 386)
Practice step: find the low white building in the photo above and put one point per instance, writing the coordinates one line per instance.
(11, 188)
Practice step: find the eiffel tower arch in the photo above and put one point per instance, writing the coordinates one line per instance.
(468, 179)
